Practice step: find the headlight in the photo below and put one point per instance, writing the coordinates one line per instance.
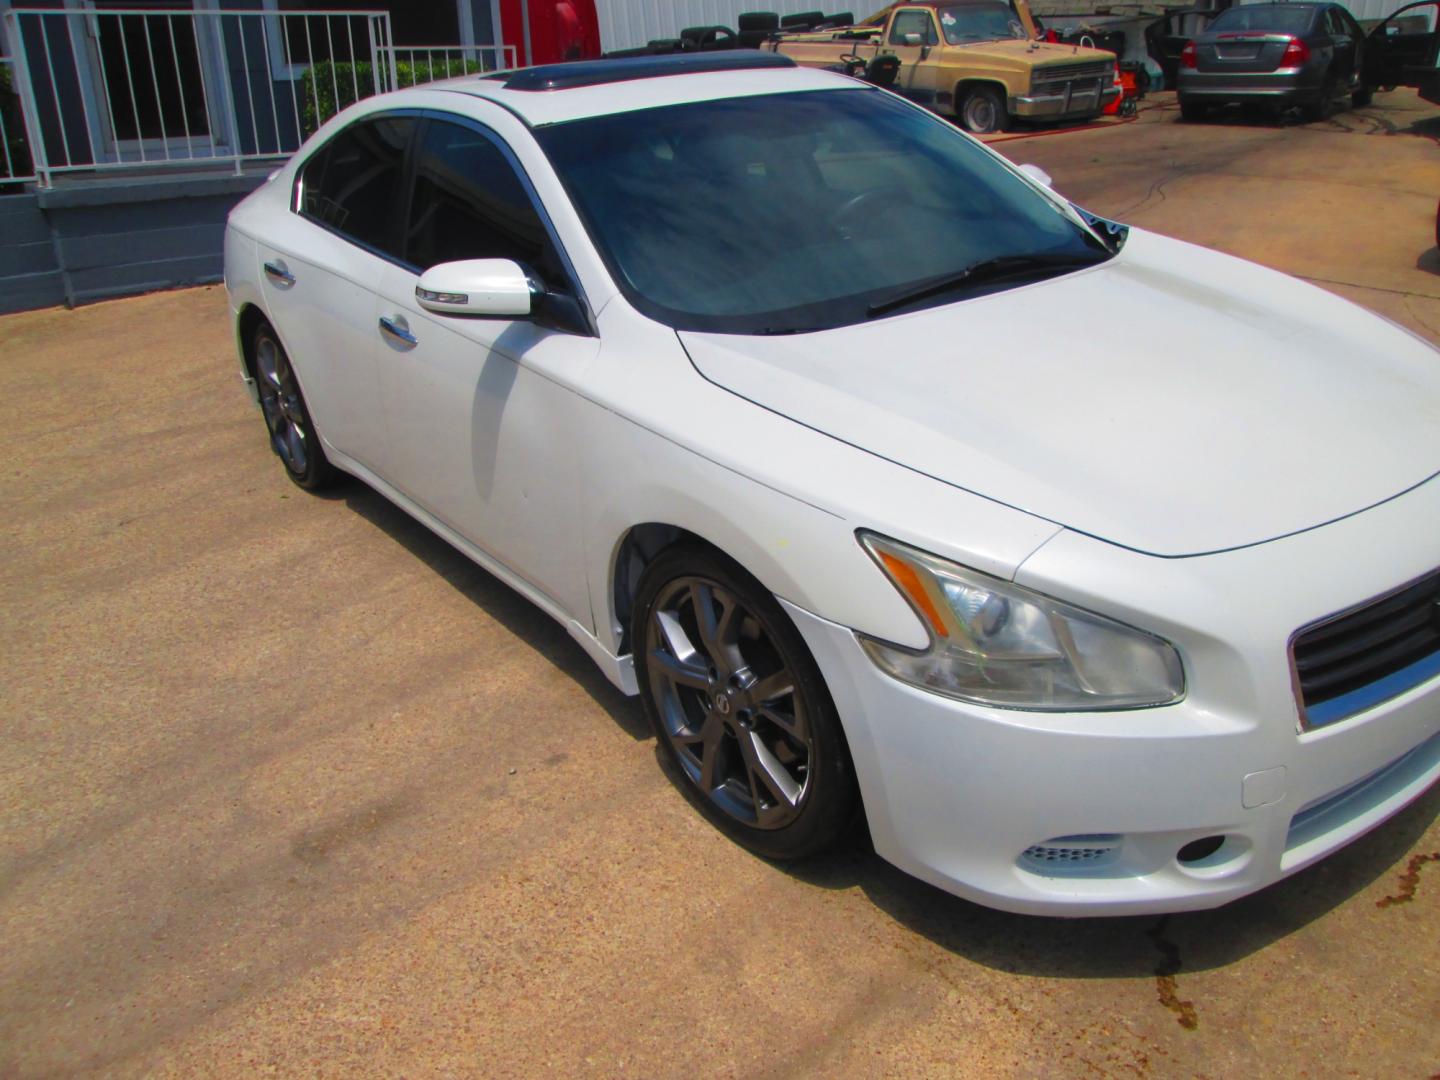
(995, 643)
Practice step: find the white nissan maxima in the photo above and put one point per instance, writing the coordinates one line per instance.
(777, 391)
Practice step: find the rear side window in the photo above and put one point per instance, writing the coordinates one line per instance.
(469, 203)
(352, 185)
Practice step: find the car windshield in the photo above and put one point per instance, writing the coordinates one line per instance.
(783, 213)
(1281, 20)
(979, 22)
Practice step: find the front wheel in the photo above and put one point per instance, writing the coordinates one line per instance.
(739, 706)
(1363, 96)
(983, 111)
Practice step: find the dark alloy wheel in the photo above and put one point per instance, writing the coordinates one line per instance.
(292, 434)
(739, 706)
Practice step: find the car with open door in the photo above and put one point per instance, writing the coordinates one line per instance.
(1309, 55)
(1404, 50)
(733, 368)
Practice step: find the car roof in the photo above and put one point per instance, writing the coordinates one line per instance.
(556, 93)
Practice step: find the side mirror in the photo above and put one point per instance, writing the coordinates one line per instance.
(1039, 175)
(913, 39)
(488, 288)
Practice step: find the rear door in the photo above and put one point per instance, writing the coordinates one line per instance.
(1345, 43)
(320, 277)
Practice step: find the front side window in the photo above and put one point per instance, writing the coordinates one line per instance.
(980, 22)
(914, 22)
(352, 184)
(469, 203)
(797, 211)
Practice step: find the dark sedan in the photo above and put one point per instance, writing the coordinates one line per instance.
(1280, 55)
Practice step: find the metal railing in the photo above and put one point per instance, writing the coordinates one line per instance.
(110, 89)
(15, 167)
(411, 65)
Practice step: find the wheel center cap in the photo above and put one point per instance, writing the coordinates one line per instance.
(722, 704)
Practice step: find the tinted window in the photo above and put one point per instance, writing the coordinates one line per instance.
(469, 203)
(789, 212)
(914, 22)
(352, 184)
(1284, 20)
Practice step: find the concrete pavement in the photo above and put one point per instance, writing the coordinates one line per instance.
(291, 787)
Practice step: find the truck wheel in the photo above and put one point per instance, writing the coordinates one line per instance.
(983, 111)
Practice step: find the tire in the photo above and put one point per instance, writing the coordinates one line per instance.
(1322, 109)
(1192, 112)
(982, 110)
(1363, 96)
(739, 708)
(287, 419)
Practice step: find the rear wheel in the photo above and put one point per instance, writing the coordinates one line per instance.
(1323, 108)
(983, 110)
(292, 432)
(1363, 96)
(1192, 111)
(739, 706)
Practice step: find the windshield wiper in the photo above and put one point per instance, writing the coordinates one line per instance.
(1001, 266)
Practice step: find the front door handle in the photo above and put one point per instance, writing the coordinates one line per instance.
(279, 273)
(397, 329)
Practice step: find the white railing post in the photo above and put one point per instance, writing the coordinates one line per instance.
(20, 70)
(390, 41)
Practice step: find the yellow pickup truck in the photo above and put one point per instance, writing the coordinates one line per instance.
(980, 61)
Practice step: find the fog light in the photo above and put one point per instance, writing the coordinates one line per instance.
(1200, 850)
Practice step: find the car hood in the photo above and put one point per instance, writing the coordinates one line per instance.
(1036, 53)
(1172, 400)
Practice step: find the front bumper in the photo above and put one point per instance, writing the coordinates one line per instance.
(962, 795)
(1073, 102)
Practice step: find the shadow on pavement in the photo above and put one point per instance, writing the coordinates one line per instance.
(496, 599)
(1135, 946)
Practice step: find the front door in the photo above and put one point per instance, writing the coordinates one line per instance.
(914, 38)
(481, 435)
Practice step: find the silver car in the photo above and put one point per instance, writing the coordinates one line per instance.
(1280, 55)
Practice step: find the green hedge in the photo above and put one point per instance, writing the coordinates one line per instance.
(350, 76)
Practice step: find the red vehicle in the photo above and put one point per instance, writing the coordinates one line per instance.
(550, 31)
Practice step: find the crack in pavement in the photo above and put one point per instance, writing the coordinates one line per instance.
(1409, 880)
(1165, 972)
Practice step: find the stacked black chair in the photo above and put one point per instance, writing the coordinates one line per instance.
(707, 38)
(804, 20)
(756, 27)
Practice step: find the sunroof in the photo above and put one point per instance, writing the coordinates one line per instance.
(624, 69)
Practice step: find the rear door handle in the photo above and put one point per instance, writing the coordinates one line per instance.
(397, 329)
(279, 273)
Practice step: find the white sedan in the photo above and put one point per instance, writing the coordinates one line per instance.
(1099, 572)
